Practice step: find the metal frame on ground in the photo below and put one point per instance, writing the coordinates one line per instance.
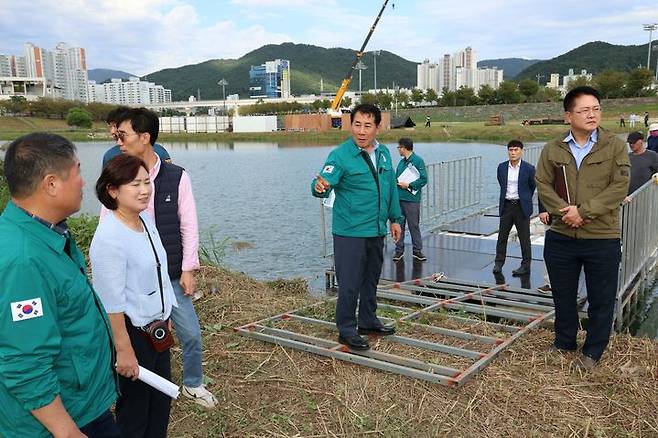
(516, 311)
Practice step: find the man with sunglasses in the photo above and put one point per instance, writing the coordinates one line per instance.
(585, 231)
(112, 121)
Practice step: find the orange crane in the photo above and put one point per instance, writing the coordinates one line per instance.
(334, 111)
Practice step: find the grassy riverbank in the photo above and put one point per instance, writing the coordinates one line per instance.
(265, 390)
(439, 132)
(448, 124)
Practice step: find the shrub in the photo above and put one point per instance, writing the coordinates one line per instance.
(79, 117)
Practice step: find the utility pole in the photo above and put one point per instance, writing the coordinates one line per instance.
(360, 66)
(223, 83)
(375, 54)
(539, 76)
(650, 27)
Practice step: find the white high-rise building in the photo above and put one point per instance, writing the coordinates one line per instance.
(460, 70)
(573, 76)
(554, 81)
(428, 76)
(65, 68)
(131, 92)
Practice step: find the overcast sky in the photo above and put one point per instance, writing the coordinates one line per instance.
(142, 36)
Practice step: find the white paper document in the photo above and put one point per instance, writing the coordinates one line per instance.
(161, 384)
(409, 175)
(329, 201)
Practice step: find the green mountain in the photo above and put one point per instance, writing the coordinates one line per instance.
(307, 64)
(104, 74)
(593, 57)
(511, 66)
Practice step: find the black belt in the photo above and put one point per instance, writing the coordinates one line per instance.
(512, 201)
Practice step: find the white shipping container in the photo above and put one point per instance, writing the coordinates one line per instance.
(254, 124)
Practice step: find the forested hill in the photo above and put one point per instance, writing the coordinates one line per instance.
(593, 57)
(307, 63)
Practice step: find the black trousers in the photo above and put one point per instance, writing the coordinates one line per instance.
(513, 215)
(411, 213)
(564, 258)
(102, 427)
(358, 267)
(142, 411)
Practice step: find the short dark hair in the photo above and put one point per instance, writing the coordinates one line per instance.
(515, 144)
(115, 115)
(142, 121)
(33, 156)
(367, 108)
(577, 92)
(406, 143)
(121, 170)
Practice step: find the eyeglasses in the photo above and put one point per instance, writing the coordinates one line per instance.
(122, 135)
(586, 111)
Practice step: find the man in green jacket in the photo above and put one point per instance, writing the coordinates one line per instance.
(56, 352)
(360, 173)
(585, 231)
(409, 193)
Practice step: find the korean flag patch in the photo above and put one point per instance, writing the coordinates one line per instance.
(28, 309)
(328, 169)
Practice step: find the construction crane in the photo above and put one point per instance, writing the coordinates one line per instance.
(334, 111)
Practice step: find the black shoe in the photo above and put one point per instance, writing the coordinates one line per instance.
(419, 256)
(383, 330)
(398, 256)
(498, 268)
(522, 270)
(355, 342)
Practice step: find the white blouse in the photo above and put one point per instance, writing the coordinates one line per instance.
(124, 271)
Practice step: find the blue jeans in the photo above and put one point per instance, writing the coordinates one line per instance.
(189, 334)
(102, 427)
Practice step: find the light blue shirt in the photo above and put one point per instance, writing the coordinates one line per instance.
(580, 152)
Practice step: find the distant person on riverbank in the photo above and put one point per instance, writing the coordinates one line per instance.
(428, 122)
(112, 120)
(644, 163)
(136, 292)
(585, 232)
(360, 173)
(652, 137)
(646, 119)
(173, 208)
(409, 194)
(517, 187)
(622, 122)
(632, 119)
(57, 374)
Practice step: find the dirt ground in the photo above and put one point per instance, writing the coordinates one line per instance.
(528, 391)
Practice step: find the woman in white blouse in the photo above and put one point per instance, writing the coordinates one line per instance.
(129, 269)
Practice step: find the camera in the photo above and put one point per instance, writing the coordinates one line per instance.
(159, 335)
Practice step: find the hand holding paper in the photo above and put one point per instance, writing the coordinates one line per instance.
(161, 384)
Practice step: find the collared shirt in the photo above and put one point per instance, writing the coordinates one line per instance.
(363, 204)
(513, 180)
(579, 152)
(58, 345)
(125, 273)
(189, 225)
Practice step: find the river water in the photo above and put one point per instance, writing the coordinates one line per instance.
(255, 197)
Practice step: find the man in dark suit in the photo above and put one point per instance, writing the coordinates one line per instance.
(517, 185)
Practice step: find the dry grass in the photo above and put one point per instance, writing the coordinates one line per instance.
(265, 390)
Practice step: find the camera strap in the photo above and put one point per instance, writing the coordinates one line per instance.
(157, 261)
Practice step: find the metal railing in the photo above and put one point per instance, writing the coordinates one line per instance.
(451, 185)
(531, 153)
(639, 238)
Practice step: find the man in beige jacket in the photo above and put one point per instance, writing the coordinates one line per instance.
(585, 231)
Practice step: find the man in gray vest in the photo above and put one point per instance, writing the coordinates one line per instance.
(173, 208)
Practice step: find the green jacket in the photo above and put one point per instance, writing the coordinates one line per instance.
(59, 341)
(597, 188)
(363, 204)
(418, 163)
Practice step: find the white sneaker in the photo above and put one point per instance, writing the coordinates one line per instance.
(201, 396)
